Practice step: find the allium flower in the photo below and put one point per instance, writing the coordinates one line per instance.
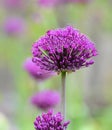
(36, 72)
(13, 26)
(45, 99)
(63, 50)
(49, 121)
(81, 1)
(13, 3)
(50, 3)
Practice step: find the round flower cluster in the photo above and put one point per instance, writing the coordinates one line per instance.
(80, 1)
(51, 3)
(14, 26)
(64, 49)
(12, 3)
(45, 99)
(49, 121)
(36, 72)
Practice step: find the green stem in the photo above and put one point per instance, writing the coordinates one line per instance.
(63, 78)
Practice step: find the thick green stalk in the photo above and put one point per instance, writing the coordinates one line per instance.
(63, 94)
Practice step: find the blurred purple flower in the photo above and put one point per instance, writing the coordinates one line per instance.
(49, 121)
(45, 99)
(14, 26)
(13, 3)
(36, 72)
(64, 49)
(50, 3)
(80, 1)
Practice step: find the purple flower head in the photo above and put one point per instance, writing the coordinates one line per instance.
(81, 1)
(64, 49)
(13, 3)
(14, 26)
(36, 72)
(48, 3)
(45, 99)
(49, 121)
(51, 3)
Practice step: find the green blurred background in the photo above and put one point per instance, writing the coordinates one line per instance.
(89, 91)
